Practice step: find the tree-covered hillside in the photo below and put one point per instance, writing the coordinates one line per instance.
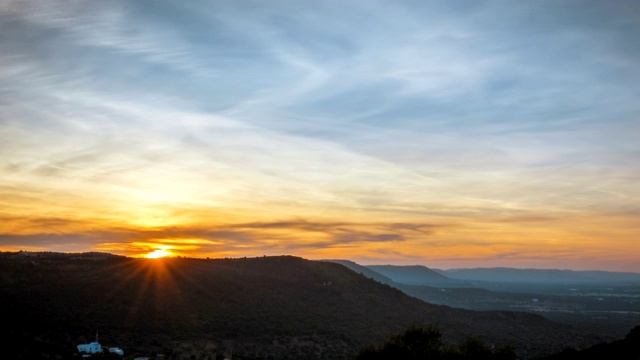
(268, 307)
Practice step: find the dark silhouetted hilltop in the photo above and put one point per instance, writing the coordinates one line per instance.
(280, 307)
(625, 349)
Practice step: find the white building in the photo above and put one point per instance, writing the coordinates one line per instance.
(90, 348)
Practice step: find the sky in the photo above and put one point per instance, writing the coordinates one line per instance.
(442, 133)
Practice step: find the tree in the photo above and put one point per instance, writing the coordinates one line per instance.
(425, 343)
(414, 343)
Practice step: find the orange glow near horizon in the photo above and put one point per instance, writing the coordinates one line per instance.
(557, 242)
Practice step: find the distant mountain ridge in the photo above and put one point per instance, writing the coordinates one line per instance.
(360, 269)
(415, 275)
(464, 277)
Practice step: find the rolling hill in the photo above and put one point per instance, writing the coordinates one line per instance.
(417, 275)
(270, 307)
(360, 269)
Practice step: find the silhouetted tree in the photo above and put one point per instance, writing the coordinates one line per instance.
(426, 343)
(414, 343)
(474, 348)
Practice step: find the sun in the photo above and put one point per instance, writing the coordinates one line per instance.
(158, 253)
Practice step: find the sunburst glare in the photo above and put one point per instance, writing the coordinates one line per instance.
(159, 253)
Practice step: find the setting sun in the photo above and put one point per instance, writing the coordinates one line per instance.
(158, 253)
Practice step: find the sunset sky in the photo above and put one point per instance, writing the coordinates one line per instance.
(442, 133)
